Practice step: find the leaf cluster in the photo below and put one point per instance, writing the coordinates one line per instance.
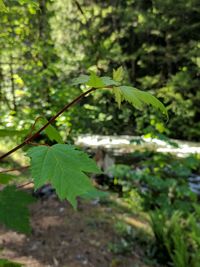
(130, 94)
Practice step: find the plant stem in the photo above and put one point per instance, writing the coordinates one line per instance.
(15, 169)
(30, 138)
(25, 184)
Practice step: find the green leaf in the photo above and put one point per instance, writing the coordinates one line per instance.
(13, 209)
(95, 81)
(118, 74)
(52, 133)
(50, 130)
(130, 95)
(64, 167)
(138, 98)
(108, 81)
(7, 263)
(82, 79)
(118, 95)
(5, 178)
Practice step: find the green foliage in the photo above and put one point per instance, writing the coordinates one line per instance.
(6, 178)
(14, 209)
(118, 74)
(2, 6)
(51, 131)
(7, 263)
(161, 181)
(157, 43)
(132, 95)
(128, 238)
(118, 95)
(118, 77)
(108, 81)
(53, 134)
(12, 132)
(64, 167)
(172, 239)
(162, 184)
(159, 53)
(138, 98)
(31, 2)
(95, 81)
(82, 79)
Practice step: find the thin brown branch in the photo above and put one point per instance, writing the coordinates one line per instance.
(30, 138)
(36, 144)
(15, 169)
(79, 7)
(25, 184)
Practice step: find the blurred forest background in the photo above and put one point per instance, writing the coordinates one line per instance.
(151, 216)
(43, 46)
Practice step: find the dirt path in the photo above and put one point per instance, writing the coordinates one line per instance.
(62, 237)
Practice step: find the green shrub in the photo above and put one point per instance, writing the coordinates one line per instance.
(177, 240)
(161, 181)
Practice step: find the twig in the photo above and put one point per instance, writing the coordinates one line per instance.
(25, 184)
(15, 169)
(36, 144)
(30, 138)
(79, 7)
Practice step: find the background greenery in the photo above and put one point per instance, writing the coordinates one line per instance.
(44, 44)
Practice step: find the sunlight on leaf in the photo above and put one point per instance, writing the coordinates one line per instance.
(118, 74)
(108, 81)
(118, 95)
(138, 98)
(95, 81)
